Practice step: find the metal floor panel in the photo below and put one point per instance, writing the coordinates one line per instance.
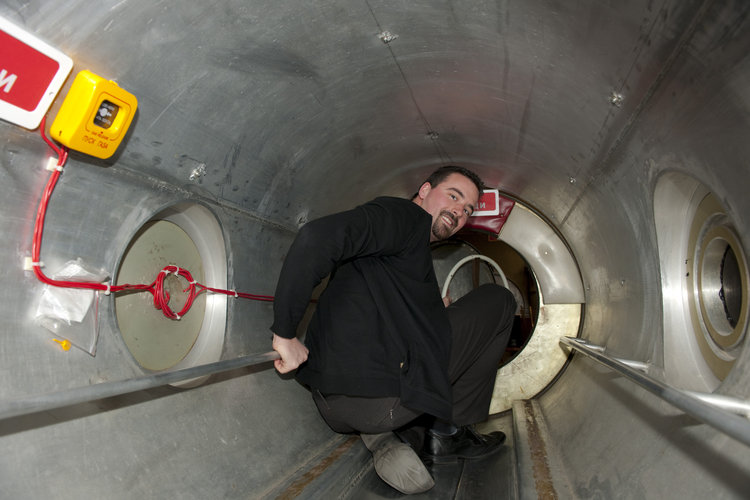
(490, 478)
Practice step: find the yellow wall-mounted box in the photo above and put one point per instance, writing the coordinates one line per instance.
(94, 116)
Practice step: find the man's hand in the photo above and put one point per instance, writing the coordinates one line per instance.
(293, 353)
(446, 301)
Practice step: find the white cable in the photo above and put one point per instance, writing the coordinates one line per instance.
(464, 261)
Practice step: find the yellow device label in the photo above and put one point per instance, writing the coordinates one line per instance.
(94, 116)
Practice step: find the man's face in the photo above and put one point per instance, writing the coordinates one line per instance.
(450, 204)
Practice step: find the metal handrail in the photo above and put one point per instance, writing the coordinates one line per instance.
(721, 412)
(34, 404)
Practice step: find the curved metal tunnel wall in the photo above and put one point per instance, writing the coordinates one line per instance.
(272, 113)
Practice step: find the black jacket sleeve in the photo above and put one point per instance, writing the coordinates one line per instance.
(379, 227)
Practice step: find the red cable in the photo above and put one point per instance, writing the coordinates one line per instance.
(156, 288)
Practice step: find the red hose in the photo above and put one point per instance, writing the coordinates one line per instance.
(156, 288)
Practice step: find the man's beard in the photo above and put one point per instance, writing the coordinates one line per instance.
(439, 229)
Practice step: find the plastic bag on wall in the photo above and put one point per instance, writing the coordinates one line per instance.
(72, 313)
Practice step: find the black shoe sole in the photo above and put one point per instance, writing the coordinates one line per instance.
(452, 459)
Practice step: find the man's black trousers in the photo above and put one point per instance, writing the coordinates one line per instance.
(481, 323)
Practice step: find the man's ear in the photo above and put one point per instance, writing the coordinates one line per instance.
(424, 190)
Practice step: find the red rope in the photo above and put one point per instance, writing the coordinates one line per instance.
(156, 288)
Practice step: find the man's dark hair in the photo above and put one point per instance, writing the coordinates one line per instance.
(440, 174)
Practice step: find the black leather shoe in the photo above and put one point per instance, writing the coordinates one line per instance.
(466, 443)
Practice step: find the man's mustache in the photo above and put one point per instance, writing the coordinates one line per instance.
(451, 216)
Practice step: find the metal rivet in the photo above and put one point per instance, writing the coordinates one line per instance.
(615, 98)
(302, 219)
(387, 36)
(198, 172)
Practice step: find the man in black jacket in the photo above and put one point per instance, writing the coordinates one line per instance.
(382, 348)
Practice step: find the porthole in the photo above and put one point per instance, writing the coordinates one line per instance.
(543, 276)
(717, 276)
(720, 290)
(704, 276)
(186, 235)
(460, 264)
(156, 342)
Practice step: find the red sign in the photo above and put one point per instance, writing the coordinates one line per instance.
(25, 73)
(31, 74)
(492, 212)
(488, 203)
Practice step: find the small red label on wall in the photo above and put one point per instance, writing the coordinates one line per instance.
(488, 203)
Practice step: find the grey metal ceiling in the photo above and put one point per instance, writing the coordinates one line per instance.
(277, 98)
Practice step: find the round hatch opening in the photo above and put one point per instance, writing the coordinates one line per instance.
(704, 276)
(717, 278)
(186, 235)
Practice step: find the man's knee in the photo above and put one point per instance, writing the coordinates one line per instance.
(485, 312)
(496, 296)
